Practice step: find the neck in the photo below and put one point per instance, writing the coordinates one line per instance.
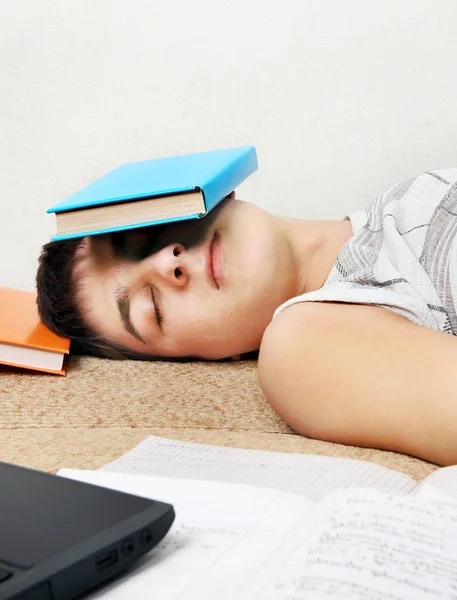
(314, 246)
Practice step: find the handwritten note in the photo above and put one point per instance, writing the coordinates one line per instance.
(245, 542)
(367, 546)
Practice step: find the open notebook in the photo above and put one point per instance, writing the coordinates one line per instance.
(327, 540)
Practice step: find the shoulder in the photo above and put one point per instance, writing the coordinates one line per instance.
(307, 329)
(311, 348)
(306, 323)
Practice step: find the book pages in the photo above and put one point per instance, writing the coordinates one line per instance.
(366, 545)
(309, 475)
(222, 534)
(441, 485)
(230, 541)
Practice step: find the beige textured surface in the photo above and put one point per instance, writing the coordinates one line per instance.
(103, 408)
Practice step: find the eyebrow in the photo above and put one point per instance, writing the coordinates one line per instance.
(123, 305)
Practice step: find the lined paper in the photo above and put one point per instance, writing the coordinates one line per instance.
(309, 475)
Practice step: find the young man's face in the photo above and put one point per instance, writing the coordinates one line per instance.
(216, 282)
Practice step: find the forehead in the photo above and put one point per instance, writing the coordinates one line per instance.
(96, 275)
(94, 268)
(94, 253)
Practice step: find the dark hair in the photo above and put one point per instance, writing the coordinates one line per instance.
(58, 306)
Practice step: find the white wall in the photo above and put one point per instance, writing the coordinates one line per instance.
(341, 98)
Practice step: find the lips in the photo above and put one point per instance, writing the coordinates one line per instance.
(215, 260)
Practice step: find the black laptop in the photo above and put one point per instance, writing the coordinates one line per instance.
(60, 538)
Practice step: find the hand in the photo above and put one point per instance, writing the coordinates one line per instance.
(231, 195)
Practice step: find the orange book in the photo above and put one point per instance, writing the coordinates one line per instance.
(24, 340)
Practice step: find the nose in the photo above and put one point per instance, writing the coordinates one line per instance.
(169, 264)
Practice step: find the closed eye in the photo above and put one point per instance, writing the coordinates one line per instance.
(158, 312)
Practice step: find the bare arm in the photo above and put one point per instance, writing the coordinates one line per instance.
(364, 376)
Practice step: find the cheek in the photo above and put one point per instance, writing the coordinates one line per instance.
(203, 322)
(211, 331)
(194, 315)
(190, 319)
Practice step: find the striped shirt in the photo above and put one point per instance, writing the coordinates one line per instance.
(402, 255)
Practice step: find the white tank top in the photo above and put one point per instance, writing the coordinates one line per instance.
(402, 255)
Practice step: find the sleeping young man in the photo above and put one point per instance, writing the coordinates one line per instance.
(354, 318)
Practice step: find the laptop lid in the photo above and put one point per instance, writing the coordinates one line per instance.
(60, 538)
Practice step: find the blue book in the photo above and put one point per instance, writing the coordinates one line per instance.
(152, 192)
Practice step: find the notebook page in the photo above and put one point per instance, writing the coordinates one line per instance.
(219, 528)
(439, 485)
(309, 475)
(366, 545)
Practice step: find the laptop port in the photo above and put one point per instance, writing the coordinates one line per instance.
(106, 559)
